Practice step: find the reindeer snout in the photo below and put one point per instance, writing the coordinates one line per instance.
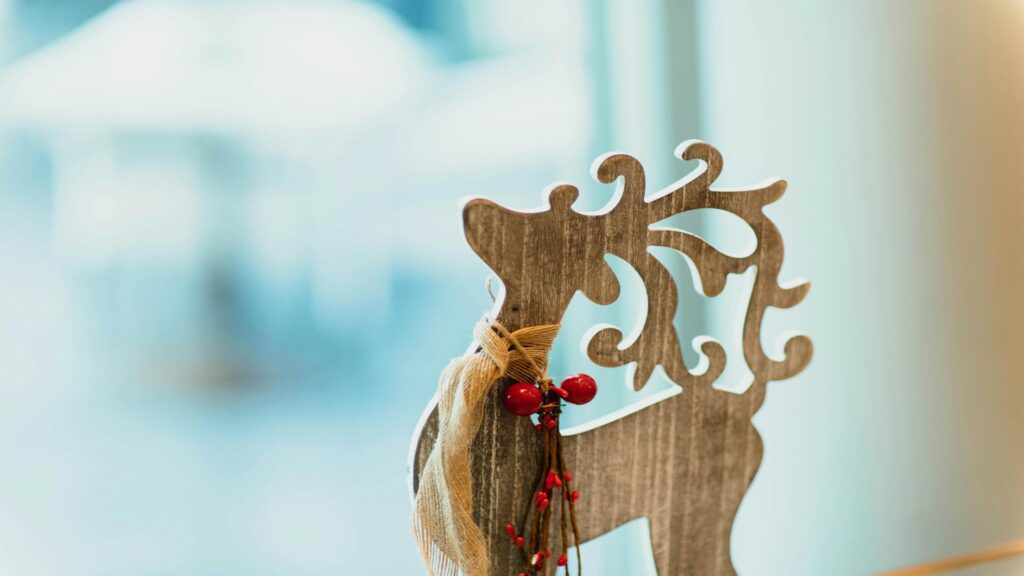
(477, 217)
(492, 232)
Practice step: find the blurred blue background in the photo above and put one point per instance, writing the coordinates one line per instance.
(232, 262)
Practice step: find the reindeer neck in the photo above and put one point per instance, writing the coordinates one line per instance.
(524, 307)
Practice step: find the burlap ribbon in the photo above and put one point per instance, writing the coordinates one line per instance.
(443, 525)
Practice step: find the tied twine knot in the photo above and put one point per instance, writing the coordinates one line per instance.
(442, 522)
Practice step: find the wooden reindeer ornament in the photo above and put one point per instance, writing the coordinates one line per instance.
(682, 460)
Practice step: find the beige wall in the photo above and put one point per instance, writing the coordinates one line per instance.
(900, 127)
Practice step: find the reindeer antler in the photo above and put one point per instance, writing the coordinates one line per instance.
(631, 221)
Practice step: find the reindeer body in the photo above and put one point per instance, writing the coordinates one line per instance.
(683, 462)
(662, 462)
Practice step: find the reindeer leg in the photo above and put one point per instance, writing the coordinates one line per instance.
(711, 453)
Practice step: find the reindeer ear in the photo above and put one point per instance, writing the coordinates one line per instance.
(600, 284)
(561, 196)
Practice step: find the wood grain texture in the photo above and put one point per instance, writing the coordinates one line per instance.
(683, 462)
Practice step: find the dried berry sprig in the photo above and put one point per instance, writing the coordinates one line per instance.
(546, 401)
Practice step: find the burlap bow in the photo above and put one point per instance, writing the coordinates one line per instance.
(443, 525)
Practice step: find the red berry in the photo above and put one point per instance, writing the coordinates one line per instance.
(522, 399)
(563, 560)
(581, 388)
(539, 496)
(520, 542)
(543, 504)
(575, 495)
(510, 530)
(567, 476)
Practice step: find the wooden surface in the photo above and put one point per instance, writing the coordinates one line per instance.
(683, 462)
(961, 561)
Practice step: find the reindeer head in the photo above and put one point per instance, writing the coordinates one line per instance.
(544, 257)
